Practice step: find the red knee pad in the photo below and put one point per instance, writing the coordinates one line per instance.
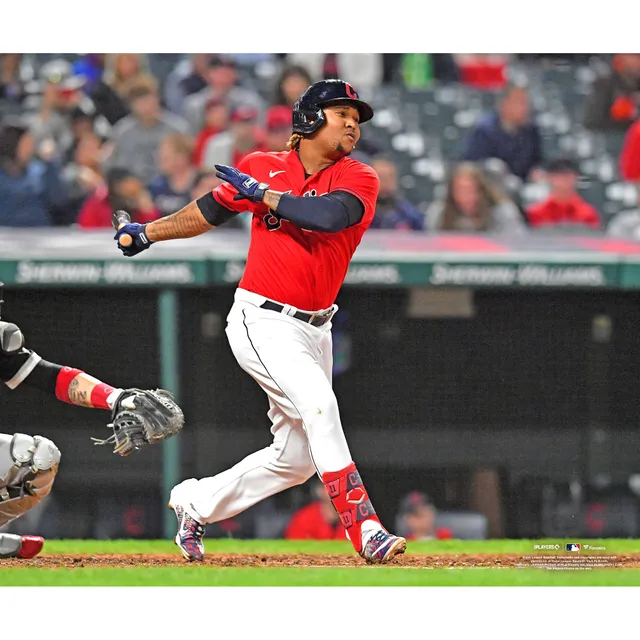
(350, 500)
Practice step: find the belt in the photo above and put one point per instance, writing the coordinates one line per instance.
(314, 319)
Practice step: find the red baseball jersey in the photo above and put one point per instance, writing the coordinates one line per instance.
(286, 263)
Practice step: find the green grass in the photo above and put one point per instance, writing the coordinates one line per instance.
(320, 577)
(199, 575)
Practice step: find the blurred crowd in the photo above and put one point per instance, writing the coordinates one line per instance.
(82, 135)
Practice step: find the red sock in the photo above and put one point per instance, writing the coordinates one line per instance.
(351, 501)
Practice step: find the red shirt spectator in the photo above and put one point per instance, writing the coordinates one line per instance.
(630, 155)
(310, 523)
(575, 210)
(564, 205)
(317, 521)
(124, 191)
(216, 119)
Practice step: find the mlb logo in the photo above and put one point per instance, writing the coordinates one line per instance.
(573, 546)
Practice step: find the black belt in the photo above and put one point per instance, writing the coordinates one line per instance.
(314, 319)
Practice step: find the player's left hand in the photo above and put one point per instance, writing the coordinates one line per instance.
(248, 188)
(142, 417)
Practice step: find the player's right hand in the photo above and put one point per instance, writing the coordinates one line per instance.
(139, 236)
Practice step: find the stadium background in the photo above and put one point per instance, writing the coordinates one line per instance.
(521, 407)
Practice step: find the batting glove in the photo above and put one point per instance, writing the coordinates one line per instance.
(139, 236)
(248, 188)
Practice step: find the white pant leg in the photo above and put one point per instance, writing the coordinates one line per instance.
(282, 355)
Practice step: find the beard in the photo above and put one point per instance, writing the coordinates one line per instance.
(341, 152)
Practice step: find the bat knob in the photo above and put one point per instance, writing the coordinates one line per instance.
(125, 240)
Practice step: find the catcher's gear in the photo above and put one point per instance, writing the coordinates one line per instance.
(11, 338)
(308, 115)
(142, 417)
(28, 466)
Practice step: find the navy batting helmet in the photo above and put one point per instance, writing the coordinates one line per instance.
(307, 111)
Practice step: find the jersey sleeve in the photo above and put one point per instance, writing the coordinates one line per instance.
(16, 367)
(361, 181)
(225, 193)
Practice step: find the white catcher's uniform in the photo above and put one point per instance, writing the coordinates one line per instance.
(292, 361)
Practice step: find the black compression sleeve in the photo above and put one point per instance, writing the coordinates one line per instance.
(329, 213)
(214, 213)
(44, 376)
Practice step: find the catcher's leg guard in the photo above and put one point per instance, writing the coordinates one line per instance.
(28, 466)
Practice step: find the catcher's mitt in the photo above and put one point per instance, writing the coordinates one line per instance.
(142, 417)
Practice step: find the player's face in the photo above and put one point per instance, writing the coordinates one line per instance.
(342, 130)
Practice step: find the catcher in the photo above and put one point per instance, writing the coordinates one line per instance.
(28, 464)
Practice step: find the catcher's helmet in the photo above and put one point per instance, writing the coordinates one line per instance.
(307, 111)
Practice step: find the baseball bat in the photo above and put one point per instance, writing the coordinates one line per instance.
(119, 219)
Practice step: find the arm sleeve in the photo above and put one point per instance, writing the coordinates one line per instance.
(329, 213)
(28, 367)
(212, 211)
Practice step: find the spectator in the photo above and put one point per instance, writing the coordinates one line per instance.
(417, 519)
(393, 211)
(316, 521)
(30, 188)
(171, 190)
(82, 176)
(626, 224)
(124, 190)
(278, 128)
(80, 123)
(293, 80)
(221, 79)
(60, 94)
(11, 85)
(614, 101)
(188, 77)
(564, 206)
(507, 134)
(110, 94)
(137, 137)
(630, 155)
(244, 137)
(205, 182)
(216, 120)
(472, 203)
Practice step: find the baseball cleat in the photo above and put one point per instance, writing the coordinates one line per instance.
(190, 534)
(15, 546)
(382, 546)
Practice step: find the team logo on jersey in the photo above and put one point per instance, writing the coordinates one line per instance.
(272, 221)
(313, 194)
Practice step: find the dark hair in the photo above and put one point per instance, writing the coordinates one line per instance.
(287, 72)
(489, 197)
(562, 165)
(10, 135)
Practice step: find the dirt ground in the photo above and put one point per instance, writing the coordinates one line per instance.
(304, 560)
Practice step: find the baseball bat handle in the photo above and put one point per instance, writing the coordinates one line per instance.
(120, 218)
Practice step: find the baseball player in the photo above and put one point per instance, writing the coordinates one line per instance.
(310, 205)
(28, 464)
